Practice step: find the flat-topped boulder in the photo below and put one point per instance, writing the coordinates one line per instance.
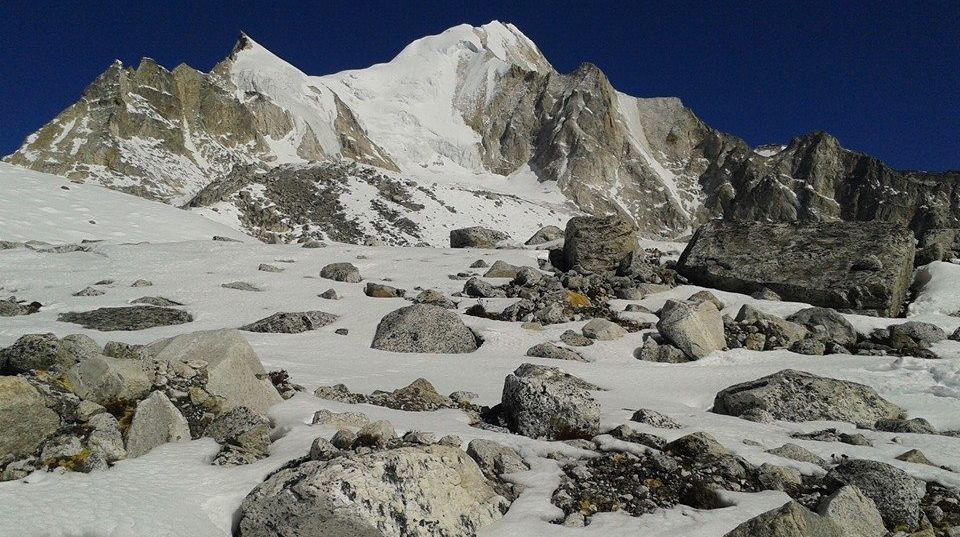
(864, 267)
(126, 318)
(476, 237)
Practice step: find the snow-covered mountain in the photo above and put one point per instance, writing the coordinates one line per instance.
(476, 109)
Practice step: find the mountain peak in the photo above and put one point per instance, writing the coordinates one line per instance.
(504, 42)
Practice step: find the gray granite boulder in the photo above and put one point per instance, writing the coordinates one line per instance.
(476, 237)
(819, 263)
(545, 402)
(598, 244)
(791, 395)
(424, 328)
(291, 322)
(696, 328)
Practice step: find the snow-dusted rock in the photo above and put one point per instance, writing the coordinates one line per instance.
(791, 395)
(545, 402)
(494, 458)
(244, 434)
(696, 328)
(409, 491)
(25, 420)
(233, 368)
(35, 351)
(155, 422)
(341, 272)
(424, 328)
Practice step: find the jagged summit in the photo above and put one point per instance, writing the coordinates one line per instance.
(471, 106)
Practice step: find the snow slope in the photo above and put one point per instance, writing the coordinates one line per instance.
(42, 207)
(173, 491)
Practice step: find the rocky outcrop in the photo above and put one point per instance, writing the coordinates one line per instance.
(417, 491)
(791, 395)
(545, 402)
(865, 267)
(791, 520)
(424, 328)
(598, 244)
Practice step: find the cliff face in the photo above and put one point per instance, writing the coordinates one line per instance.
(473, 104)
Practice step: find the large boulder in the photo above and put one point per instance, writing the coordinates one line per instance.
(105, 380)
(791, 520)
(476, 237)
(424, 328)
(291, 322)
(896, 494)
(696, 328)
(233, 368)
(864, 267)
(409, 491)
(598, 244)
(544, 402)
(835, 327)
(126, 318)
(155, 422)
(791, 395)
(25, 420)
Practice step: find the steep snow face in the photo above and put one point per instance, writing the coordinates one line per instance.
(413, 106)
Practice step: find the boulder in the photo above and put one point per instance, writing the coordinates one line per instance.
(603, 330)
(544, 235)
(598, 244)
(791, 520)
(914, 334)
(291, 322)
(545, 402)
(791, 395)
(424, 328)
(126, 318)
(34, 351)
(785, 332)
(853, 512)
(341, 272)
(549, 350)
(816, 263)
(701, 296)
(155, 422)
(415, 491)
(836, 327)
(242, 286)
(696, 328)
(896, 494)
(25, 420)
(233, 368)
(437, 298)
(241, 430)
(501, 269)
(476, 237)
(654, 351)
(494, 458)
(379, 290)
(105, 380)
(798, 453)
(654, 419)
(477, 288)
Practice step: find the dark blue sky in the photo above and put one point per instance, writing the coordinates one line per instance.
(882, 76)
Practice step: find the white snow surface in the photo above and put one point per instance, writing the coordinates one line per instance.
(174, 491)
